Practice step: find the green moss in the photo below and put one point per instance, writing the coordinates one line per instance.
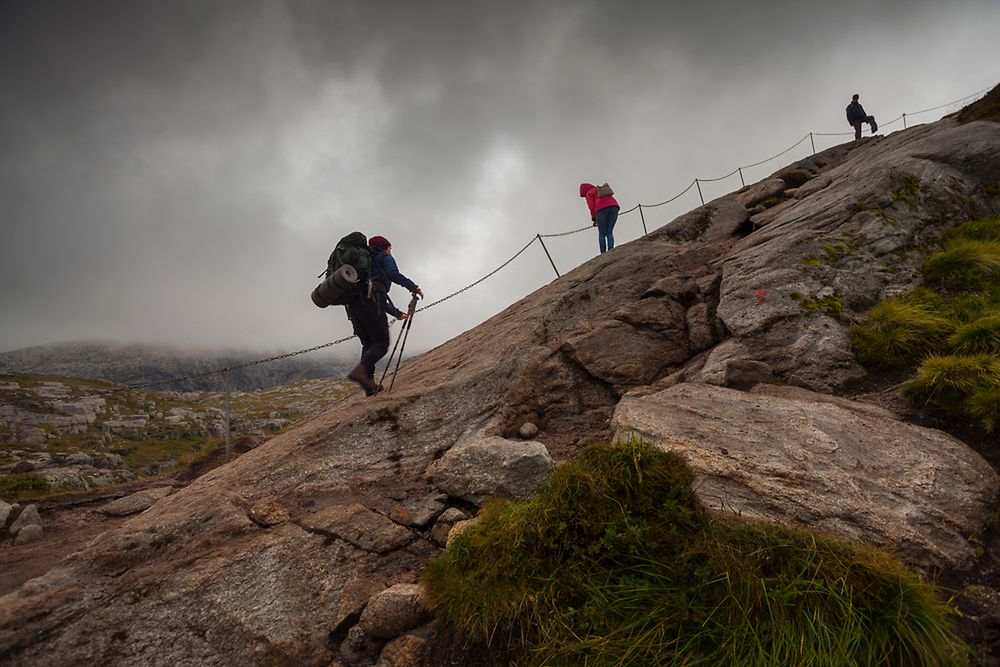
(874, 211)
(811, 261)
(615, 562)
(834, 252)
(906, 189)
(831, 305)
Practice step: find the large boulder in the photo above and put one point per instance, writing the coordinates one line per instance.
(838, 467)
(492, 466)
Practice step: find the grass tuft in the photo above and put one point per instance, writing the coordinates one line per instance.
(897, 333)
(980, 336)
(615, 562)
(946, 381)
(965, 263)
(984, 406)
(952, 323)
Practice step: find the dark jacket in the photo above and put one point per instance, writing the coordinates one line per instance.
(855, 113)
(384, 272)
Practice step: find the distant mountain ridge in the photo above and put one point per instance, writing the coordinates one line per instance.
(140, 364)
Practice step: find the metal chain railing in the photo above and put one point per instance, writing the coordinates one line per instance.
(696, 183)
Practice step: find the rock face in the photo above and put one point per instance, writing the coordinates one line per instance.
(840, 468)
(195, 580)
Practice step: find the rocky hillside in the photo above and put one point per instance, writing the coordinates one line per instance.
(306, 550)
(167, 367)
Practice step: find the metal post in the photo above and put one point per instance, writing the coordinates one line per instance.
(742, 182)
(229, 443)
(699, 192)
(904, 120)
(812, 142)
(645, 232)
(539, 237)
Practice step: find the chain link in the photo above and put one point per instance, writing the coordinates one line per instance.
(575, 231)
(488, 275)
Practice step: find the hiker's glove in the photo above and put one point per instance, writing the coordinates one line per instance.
(419, 292)
(402, 317)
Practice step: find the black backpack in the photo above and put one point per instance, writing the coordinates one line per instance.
(348, 272)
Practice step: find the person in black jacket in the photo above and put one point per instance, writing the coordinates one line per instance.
(856, 115)
(368, 312)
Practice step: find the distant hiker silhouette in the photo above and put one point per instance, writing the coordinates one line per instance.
(856, 116)
(603, 212)
(368, 311)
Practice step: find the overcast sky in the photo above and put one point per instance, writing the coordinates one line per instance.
(178, 172)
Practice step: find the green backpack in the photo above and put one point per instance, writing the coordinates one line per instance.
(347, 272)
(353, 250)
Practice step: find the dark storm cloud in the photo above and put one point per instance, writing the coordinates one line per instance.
(179, 170)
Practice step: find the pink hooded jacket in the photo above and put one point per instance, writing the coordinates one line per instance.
(595, 203)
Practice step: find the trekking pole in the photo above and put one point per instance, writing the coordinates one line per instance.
(405, 332)
(385, 371)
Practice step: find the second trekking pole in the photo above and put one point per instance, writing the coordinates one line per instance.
(411, 309)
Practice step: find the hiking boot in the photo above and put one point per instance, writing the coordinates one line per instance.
(874, 127)
(372, 392)
(360, 375)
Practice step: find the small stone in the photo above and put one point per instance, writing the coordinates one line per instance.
(460, 528)
(403, 651)
(268, 512)
(528, 430)
(29, 533)
(394, 611)
(358, 648)
(28, 516)
(401, 516)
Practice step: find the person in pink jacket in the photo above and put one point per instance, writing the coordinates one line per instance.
(603, 213)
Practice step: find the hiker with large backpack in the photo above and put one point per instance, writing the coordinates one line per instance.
(603, 212)
(368, 311)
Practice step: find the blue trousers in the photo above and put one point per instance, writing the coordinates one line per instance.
(606, 219)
